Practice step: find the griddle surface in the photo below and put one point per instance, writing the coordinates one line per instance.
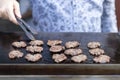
(110, 42)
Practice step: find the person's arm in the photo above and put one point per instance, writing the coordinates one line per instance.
(9, 9)
(108, 20)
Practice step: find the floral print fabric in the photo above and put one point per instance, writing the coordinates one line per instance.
(74, 15)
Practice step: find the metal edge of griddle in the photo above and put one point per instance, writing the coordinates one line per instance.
(59, 69)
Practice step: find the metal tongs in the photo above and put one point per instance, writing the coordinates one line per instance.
(29, 31)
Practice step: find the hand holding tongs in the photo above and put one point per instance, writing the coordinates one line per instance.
(29, 31)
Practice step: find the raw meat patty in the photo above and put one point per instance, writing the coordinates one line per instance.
(102, 59)
(33, 58)
(20, 44)
(79, 58)
(59, 57)
(72, 44)
(94, 45)
(36, 43)
(54, 42)
(96, 51)
(57, 48)
(34, 49)
(15, 54)
(73, 52)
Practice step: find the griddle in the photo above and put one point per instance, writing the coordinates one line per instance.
(110, 42)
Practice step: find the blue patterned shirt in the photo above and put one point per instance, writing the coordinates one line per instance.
(74, 15)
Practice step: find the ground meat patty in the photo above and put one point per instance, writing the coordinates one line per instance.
(59, 57)
(36, 43)
(73, 52)
(54, 42)
(102, 59)
(79, 58)
(72, 44)
(96, 51)
(94, 45)
(20, 44)
(33, 58)
(57, 48)
(34, 49)
(15, 54)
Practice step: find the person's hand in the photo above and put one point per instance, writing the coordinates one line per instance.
(9, 9)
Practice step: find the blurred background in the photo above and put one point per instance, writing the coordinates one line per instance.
(27, 15)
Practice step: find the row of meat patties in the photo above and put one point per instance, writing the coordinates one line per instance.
(72, 49)
(98, 53)
(60, 53)
(33, 49)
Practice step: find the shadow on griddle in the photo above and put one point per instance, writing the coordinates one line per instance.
(6, 39)
(113, 42)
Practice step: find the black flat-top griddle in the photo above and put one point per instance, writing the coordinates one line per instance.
(110, 42)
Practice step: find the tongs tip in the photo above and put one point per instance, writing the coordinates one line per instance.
(27, 29)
